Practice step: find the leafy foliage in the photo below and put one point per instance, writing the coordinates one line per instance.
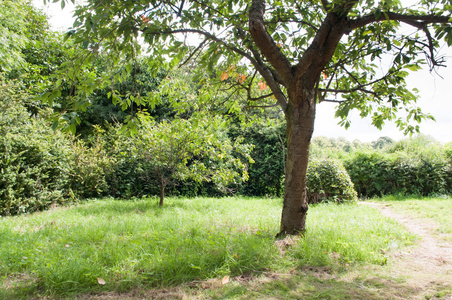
(328, 180)
(91, 165)
(35, 162)
(197, 149)
(13, 27)
(222, 45)
(267, 173)
(419, 166)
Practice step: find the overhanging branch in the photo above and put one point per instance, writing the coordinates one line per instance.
(390, 16)
(271, 78)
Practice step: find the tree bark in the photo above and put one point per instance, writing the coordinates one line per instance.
(162, 190)
(300, 81)
(300, 116)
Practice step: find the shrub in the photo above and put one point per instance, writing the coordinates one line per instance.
(266, 174)
(35, 161)
(370, 172)
(91, 166)
(328, 180)
(412, 167)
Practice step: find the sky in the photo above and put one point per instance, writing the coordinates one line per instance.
(435, 96)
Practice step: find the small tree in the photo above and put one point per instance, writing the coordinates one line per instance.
(197, 149)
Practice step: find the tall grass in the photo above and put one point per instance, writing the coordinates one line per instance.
(134, 244)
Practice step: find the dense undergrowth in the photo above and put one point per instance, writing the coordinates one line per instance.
(135, 244)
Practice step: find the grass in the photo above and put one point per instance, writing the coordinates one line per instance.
(437, 209)
(134, 244)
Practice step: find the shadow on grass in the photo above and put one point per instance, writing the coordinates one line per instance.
(307, 283)
(315, 284)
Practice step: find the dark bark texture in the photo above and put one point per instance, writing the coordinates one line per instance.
(300, 82)
(300, 126)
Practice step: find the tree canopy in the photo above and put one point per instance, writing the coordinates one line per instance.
(285, 37)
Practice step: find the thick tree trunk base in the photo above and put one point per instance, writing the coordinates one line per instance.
(288, 227)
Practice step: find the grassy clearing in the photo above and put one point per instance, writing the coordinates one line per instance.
(137, 245)
(437, 209)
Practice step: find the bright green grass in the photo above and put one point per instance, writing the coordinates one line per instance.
(136, 244)
(435, 208)
(349, 233)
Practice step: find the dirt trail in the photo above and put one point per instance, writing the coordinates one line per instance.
(427, 266)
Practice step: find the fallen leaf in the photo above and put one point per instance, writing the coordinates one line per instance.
(225, 280)
(101, 281)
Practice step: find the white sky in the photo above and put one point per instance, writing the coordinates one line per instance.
(435, 96)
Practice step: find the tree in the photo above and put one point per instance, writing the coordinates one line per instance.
(382, 142)
(13, 27)
(197, 149)
(305, 52)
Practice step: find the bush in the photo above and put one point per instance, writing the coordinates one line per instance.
(91, 166)
(267, 173)
(370, 172)
(35, 161)
(412, 167)
(328, 180)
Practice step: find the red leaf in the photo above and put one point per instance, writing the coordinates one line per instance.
(224, 76)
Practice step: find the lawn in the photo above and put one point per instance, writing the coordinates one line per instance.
(125, 245)
(435, 209)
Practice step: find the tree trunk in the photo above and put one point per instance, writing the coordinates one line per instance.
(300, 115)
(162, 190)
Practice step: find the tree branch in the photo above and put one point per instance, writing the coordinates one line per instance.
(331, 100)
(206, 34)
(260, 106)
(418, 21)
(339, 91)
(326, 5)
(265, 42)
(423, 26)
(259, 98)
(200, 46)
(390, 16)
(270, 75)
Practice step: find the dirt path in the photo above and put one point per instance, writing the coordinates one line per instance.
(427, 266)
